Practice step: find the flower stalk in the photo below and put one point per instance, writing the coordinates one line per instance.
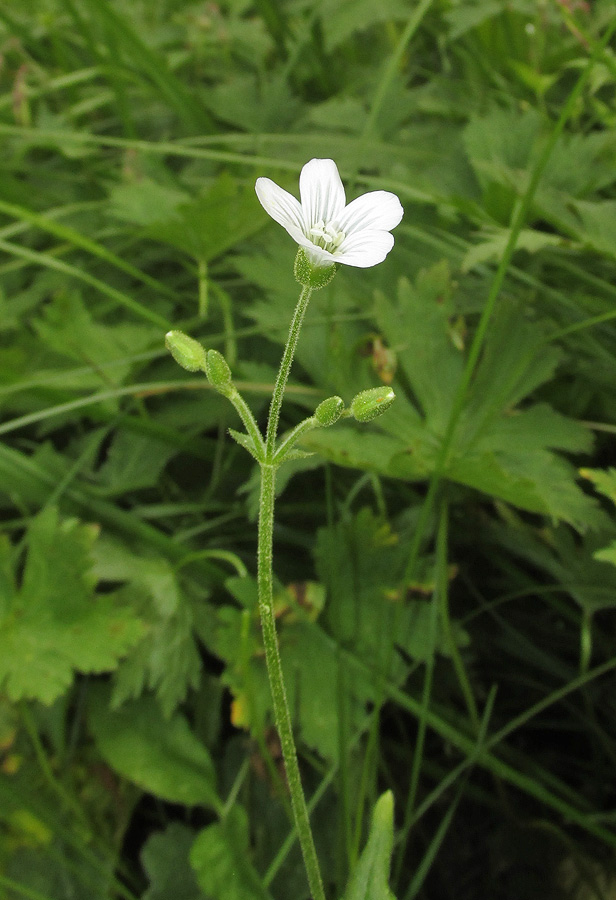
(329, 232)
(276, 680)
(283, 372)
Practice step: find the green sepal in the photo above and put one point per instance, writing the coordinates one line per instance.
(186, 351)
(245, 441)
(312, 276)
(218, 372)
(329, 411)
(367, 405)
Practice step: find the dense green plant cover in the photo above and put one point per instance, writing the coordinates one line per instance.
(446, 572)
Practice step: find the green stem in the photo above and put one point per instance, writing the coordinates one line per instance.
(283, 373)
(276, 680)
(266, 608)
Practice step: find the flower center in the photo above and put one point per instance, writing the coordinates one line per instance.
(325, 236)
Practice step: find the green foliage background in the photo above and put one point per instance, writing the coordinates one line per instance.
(446, 575)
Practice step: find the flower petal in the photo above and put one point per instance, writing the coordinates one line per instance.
(316, 254)
(280, 205)
(364, 249)
(375, 211)
(321, 191)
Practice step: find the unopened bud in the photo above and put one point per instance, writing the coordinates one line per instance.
(186, 351)
(218, 371)
(369, 404)
(329, 411)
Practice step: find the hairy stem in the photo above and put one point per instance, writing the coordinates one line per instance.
(266, 609)
(283, 372)
(276, 680)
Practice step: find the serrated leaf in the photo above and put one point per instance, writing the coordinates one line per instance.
(604, 481)
(204, 226)
(498, 449)
(166, 659)
(342, 18)
(161, 756)
(56, 624)
(134, 461)
(361, 560)
(69, 330)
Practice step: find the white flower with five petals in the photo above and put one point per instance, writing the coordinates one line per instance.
(329, 230)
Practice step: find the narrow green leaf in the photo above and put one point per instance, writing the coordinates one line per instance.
(370, 880)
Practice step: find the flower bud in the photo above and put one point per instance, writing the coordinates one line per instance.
(329, 411)
(218, 372)
(367, 405)
(186, 351)
(310, 275)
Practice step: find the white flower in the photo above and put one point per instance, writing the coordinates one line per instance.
(323, 224)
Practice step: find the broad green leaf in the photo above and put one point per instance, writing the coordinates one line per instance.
(253, 104)
(361, 562)
(166, 659)
(500, 144)
(342, 18)
(133, 461)
(56, 624)
(462, 17)
(493, 247)
(7, 578)
(576, 563)
(417, 327)
(161, 756)
(57, 872)
(370, 880)
(146, 202)
(68, 328)
(204, 226)
(597, 224)
(220, 857)
(498, 448)
(604, 481)
(165, 858)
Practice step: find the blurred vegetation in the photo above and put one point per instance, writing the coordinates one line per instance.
(446, 575)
